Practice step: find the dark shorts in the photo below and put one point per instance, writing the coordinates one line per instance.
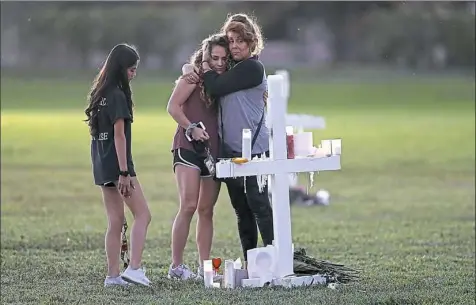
(109, 184)
(108, 176)
(113, 182)
(191, 159)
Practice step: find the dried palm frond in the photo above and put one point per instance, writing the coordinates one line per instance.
(307, 265)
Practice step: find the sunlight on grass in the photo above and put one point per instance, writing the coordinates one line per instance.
(402, 206)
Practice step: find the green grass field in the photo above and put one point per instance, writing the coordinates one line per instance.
(403, 206)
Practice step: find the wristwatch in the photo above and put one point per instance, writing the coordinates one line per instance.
(124, 173)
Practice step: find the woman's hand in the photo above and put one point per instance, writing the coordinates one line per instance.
(199, 134)
(190, 74)
(187, 68)
(191, 78)
(125, 186)
(206, 54)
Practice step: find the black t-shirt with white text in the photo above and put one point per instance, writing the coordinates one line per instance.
(112, 107)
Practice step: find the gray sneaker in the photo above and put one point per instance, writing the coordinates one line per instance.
(181, 272)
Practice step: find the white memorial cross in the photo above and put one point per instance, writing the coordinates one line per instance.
(278, 166)
(300, 121)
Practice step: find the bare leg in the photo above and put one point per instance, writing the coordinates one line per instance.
(115, 216)
(209, 190)
(140, 210)
(188, 183)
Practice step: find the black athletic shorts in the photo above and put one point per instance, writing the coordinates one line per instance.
(114, 183)
(191, 159)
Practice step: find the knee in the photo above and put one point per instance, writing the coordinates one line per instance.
(144, 217)
(115, 223)
(147, 217)
(263, 212)
(188, 206)
(244, 215)
(205, 211)
(261, 208)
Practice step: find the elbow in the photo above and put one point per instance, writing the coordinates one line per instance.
(255, 81)
(171, 109)
(119, 139)
(119, 136)
(173, 113)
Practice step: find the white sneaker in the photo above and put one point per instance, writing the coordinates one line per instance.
(115, 281)
(136, 276)
(181, 272)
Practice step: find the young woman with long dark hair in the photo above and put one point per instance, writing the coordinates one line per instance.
(109, 117)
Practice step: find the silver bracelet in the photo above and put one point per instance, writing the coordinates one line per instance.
(189, 129)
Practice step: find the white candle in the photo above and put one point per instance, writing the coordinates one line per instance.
(303, 144)
(207, 265)
(336, 146)
(326, 147)
(246, 144)
(229, 274)
(208, 273)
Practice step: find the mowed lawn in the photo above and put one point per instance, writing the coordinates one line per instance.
(402, 210)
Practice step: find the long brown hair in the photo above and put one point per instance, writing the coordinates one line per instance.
(196, 60)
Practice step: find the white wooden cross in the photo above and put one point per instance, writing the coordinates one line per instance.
(300, 121)
(297, 120)
(278, 166)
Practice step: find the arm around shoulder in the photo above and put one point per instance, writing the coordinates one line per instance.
(188, 68)
(245, 75)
